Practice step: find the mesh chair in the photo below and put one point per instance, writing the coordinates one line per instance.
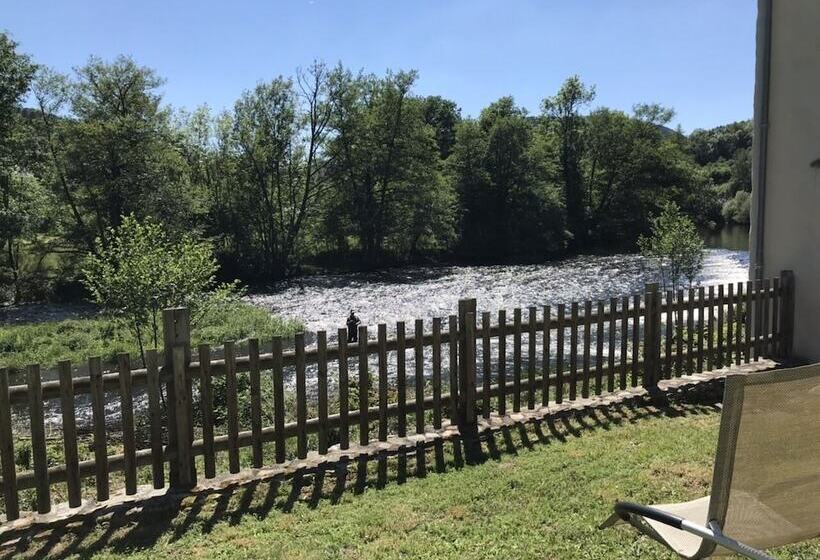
(766, 481)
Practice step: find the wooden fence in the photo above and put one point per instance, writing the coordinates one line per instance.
(557, 353)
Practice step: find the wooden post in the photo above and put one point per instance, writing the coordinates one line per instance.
(72, 465)
(100, 436)
(301, 399)
(401, 379)
(652, 337)
(364, 387)
(12, 501)
(232, 401)
(383, 389)
(321, 387)
(517, 359)
(453, 348)
(129, 444)
(418, 362)
(38, 439)
(206, 405)
(468, 428)
(278, 400)
(468, 413)
(786, 328)
(344, 391)
(176, 323)
(466, 361)
(181, 405)
(256, 402)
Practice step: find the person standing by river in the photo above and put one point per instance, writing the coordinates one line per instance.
(352, 326)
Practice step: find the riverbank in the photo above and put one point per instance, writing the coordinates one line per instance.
(48, 334)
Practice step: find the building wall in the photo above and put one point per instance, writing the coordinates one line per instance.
(791, 215)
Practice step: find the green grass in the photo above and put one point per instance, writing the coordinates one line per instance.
(78, 339)
(541, 496)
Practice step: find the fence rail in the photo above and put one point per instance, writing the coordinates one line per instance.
(492, 365)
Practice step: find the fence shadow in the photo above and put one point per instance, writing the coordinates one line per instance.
(138, 528)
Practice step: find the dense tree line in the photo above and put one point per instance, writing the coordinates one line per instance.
(332, 166)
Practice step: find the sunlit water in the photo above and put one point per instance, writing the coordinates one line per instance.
(404, 294)
(322, 302)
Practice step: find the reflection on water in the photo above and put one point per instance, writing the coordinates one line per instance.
(733, 236)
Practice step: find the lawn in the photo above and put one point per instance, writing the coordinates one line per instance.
(540, 493)
(78, 339)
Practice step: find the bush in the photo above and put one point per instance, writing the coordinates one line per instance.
(143, 270)
(737, 210)
(675, 245)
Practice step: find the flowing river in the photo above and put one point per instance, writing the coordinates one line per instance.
(322, 302)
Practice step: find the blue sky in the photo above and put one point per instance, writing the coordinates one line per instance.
(694, 55)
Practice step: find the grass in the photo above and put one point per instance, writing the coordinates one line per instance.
(541, 495)
(47, 343)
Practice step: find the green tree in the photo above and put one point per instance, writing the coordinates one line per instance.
(443, 115)
(280, 132)
(142, 269)
(111, 148)
(509, 204)
(563, 112)
(675, 246)
(737, 209)
(21, 205)
(386, 168)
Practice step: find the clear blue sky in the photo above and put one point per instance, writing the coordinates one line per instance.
(694, 55)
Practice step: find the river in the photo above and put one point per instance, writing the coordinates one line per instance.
(323, 301)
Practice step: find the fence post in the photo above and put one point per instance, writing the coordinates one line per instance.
(651, 336)
(467, 420)
(466, 361)
(786, 315)
(176, 323)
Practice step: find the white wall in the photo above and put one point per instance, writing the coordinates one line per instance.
(791, 234)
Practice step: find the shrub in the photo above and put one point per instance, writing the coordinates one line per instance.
(142, 270)
(675, 246)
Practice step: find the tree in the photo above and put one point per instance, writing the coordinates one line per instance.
(508, 200)
(563, 111)
(386, 165)
(737, 210)
(142, 269)
(22, 206)
(280, 132)
(675, 246)
(111, 147)
(443, 115)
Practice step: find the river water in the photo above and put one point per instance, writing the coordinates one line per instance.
(403, 294)
(322, 302)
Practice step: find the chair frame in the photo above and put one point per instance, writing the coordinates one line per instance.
(712, 534)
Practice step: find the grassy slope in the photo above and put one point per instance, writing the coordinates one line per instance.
(543, 502)
(77, 339)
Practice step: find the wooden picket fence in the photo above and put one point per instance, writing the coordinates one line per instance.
(558, 354)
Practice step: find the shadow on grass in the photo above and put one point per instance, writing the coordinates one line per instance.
(138, 528)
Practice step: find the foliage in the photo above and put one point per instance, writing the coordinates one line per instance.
(502, 173)
(563, 114)
(335, 167)
(675, 246)
(23, 204)
(142, 270)
(738, 208)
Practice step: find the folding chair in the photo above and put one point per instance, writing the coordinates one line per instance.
(766, 480)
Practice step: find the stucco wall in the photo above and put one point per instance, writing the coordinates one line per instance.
(792, 199)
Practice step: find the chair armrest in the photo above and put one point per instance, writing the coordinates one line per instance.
(713, 532)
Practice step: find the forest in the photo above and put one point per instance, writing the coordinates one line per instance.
(336, 168)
